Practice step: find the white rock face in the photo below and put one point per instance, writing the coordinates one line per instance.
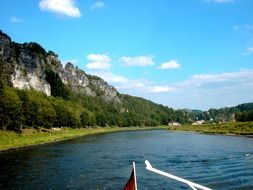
(72, 76)
(18, 81)
(39, 85)
(82, 83)
(31, 81)
(29, 62)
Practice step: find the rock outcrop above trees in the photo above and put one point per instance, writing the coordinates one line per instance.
(27, 64)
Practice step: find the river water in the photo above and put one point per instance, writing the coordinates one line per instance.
(104, 162)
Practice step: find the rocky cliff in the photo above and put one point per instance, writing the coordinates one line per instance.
(26, 65)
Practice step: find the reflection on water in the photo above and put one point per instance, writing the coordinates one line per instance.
(104, 162)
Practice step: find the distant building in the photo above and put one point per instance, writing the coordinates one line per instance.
(174, 124)
(199, 122)
(56, 129)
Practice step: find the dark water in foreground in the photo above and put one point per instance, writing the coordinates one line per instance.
(104, 162)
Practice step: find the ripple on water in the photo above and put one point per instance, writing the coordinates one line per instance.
(104, 162)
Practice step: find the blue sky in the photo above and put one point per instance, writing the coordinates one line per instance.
(194, 54)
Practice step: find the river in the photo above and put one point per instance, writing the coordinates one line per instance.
(104, 162)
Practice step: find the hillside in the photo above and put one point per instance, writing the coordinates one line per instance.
(241, 112)
(37, 91)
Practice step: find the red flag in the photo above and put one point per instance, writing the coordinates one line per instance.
(131, 184)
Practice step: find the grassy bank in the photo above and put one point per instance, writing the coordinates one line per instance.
(29, 137)
(231, 128)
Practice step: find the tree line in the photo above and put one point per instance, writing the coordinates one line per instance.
(29, 108)
(244, 116)
(241, 112)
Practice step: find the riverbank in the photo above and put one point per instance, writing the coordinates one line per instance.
(10, 140)
(230, 128)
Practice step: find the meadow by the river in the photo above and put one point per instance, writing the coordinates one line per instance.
(228, 128)
(31, 136)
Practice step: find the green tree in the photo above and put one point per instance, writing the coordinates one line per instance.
(85, 119)
(92, 119)
(46, 116)
(61, 115)
(101, 120)
(72, 120)
(10, 110)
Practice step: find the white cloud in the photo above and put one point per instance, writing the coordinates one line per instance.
(138, 87)
(172, 64)
(142, 87)
(119, 81)
(98, 5)
(206, 91)
(111, 78)
(201, 80)
(62, 7)
(14, 20)
(133, 85)
(249, 50)
(137, 61)
(99, 65)
(221, 1)
(160, 89)
(98, 62)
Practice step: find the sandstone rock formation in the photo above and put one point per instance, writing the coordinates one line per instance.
(29, 61)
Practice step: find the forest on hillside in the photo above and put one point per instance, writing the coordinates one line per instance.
(241, 112)
(29, 108)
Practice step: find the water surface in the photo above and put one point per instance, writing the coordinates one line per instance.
(104, 162)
